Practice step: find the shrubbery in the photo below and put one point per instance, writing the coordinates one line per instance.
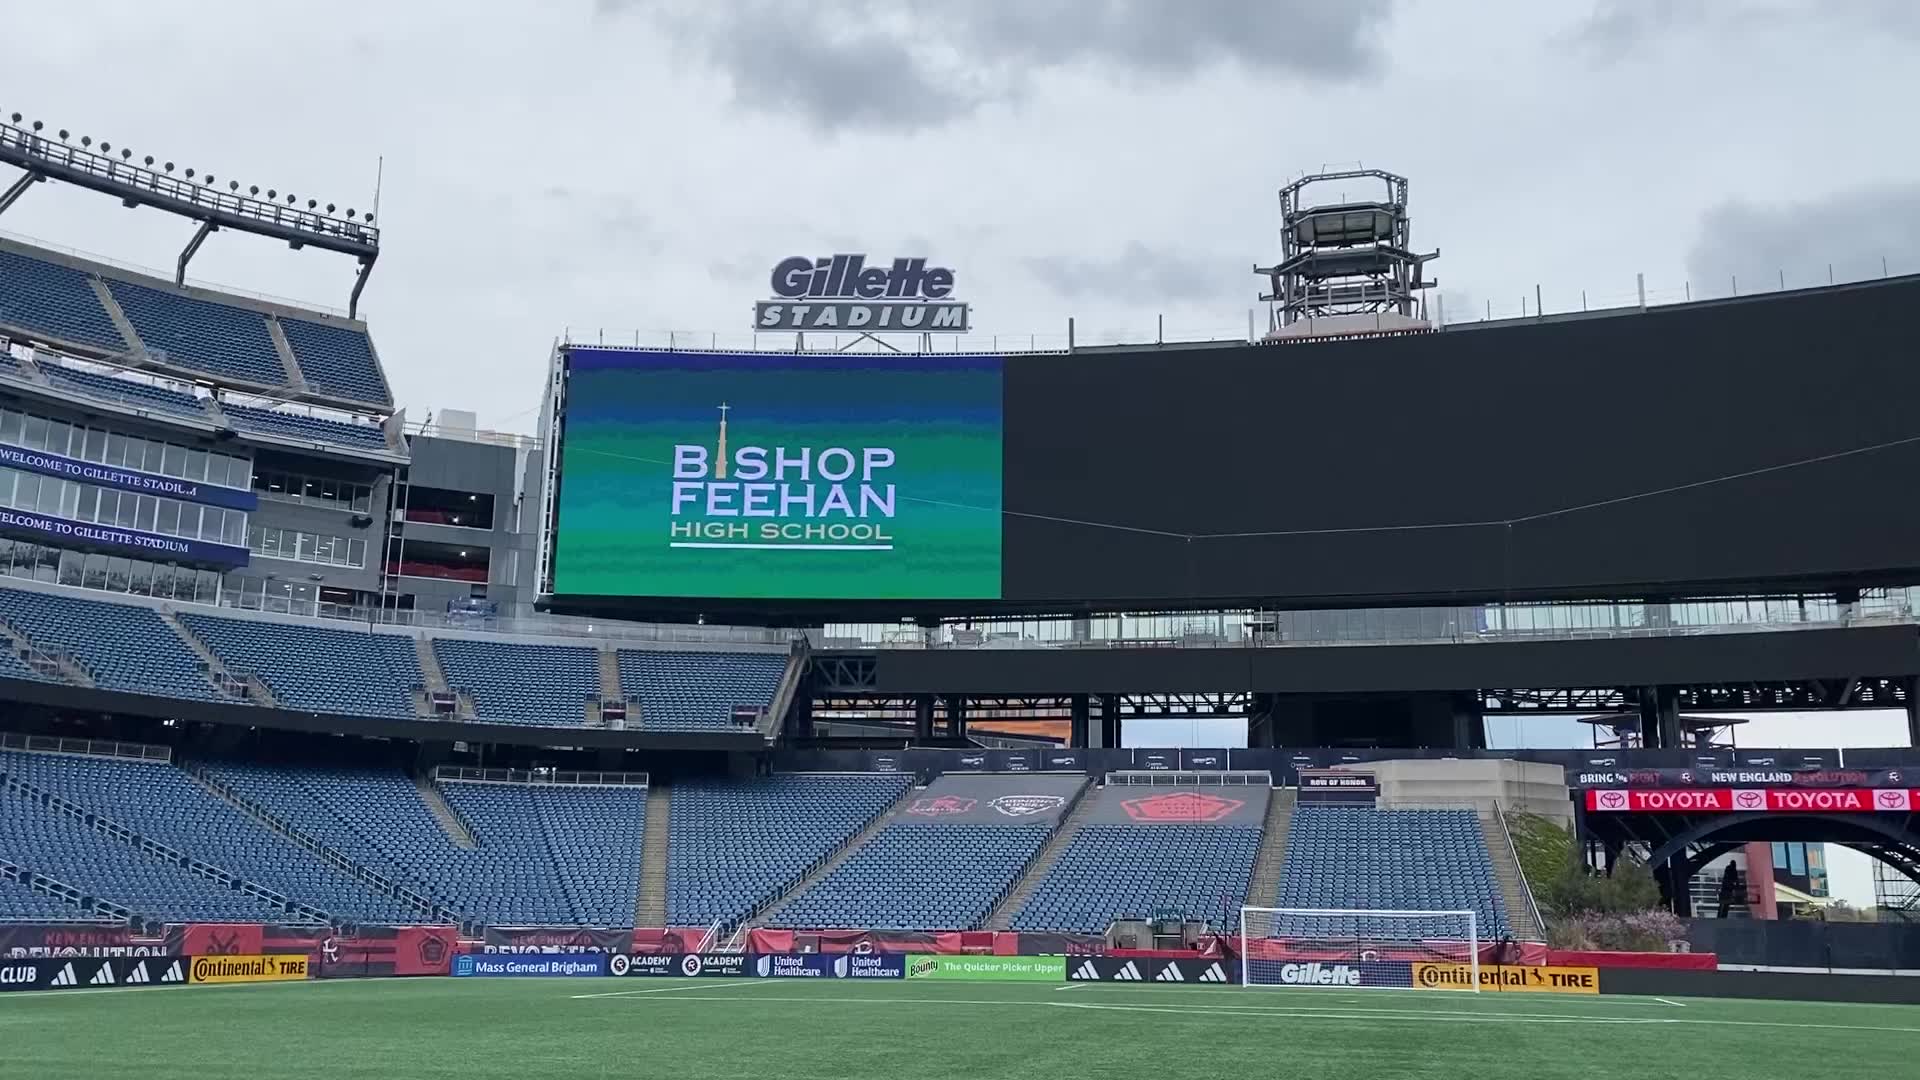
(1584, 909)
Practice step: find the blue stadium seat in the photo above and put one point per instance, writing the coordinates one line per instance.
(307, 428)
(737, 845)
(1399, 860)
(125, 391)
(546, 685)
(55, 300)
(22, 903)
(337, 360)
(201, 335)
(917, 877)
(1133, 871)
(122, 646)
(352, 672)
(695, 690)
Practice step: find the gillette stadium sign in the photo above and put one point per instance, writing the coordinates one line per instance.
(843, 292)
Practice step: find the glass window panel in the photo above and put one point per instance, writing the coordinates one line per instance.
(127, 510)
(94, 449)
(246, 472)
(140, 577)
(309, 487)
(174, 461)
(143, 518)
(59, 434)
(109, 506)
(10, 426)
(330, 490)
(116, 449)
(305, 551)
(217, 469)
(96, 571)
(1797, 859)
(163, 580)
(26, 494)
(6, 555)
(323, 549)
(356, 553)
(270, 542)
(207, 587)
(156, 455)
(71, 564)
(7, 479)
(117, 570)
(189, 520)
(196, 464)
(34, 433)
(167, 521)
(89, 507)
(236, 528)
(361, 499)
(136, 453)
(46, 566)
(70, 499)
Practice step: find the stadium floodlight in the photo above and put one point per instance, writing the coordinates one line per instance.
(1345, 257)
(1359, 949)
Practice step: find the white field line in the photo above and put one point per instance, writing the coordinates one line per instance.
(709, 984)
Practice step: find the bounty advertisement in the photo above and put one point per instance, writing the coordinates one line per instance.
(780, 476)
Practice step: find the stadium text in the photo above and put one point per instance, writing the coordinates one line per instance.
(842, 292)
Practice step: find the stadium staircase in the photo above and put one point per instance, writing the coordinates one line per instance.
(1523, 916)
(450, 822)
(116, 831)
(272, 822)
(436, 683)
(54, 665)
(116, 314)
(222, 676)
(281, 346)
(1272, 855)
(650, 906)
(1001, 918)
(831, 862)
(610, 675)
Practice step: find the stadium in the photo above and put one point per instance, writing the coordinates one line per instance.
(341, 742)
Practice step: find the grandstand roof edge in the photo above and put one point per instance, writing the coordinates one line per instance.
(151, 277)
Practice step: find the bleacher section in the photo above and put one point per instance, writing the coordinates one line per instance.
(55, 300)
(736, 846)
(351, 672)
(1146, 850)
(121, 646)
(12, 667)
(1356, 857)
(200, 334)
(304, 428)
(695, 690)
(337, 361)
(522, 684)
(22, 903)
(125, 391)
(552, 855)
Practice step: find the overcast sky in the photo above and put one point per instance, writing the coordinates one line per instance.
(642, 164)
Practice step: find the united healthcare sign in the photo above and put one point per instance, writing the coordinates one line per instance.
(843, 292)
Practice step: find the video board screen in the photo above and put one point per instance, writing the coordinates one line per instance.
(768, 475)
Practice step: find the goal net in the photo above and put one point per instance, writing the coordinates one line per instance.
(1357, 949)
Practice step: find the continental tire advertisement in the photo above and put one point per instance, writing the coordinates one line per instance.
(1510, 978)
(286, 967)
(995, 968)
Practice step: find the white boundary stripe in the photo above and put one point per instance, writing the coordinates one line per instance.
(706, 984)
(1072, 986)
(1675, 1004)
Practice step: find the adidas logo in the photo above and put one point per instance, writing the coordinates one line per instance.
(1086, 971)
(138, 976)
(1170, 973)
(174, 974)
(103, 977)
(65, 978)
(1214, 974)
(1127, 973)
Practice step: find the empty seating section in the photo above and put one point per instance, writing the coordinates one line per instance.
(62, 847)
(682, 690)
(736, 846)
(330, 806)
(1135, 871)
(22, 903)
(125, 391)
(55, 300)
(306, 428)
(557, 855)
(357, 673)
(122, 646)
(163, 803)
(1397, 860)
(12, 667)
(920, 877)
(337, 360)
(200, 334)
(522, 684)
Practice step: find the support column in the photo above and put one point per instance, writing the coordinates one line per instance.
(1913, 710)
(1077, 734)
(1105, 732)
(1659, 717)
(957, 716)
(923, 718)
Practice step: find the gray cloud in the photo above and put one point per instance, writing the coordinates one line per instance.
(1142, 275)
(1858, 232)
(910, 64)
(1616, 29)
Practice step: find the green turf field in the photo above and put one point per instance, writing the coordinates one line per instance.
(768, 1029)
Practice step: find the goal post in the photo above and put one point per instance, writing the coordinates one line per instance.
(1359, 949)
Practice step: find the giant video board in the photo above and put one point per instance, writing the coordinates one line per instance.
(768, 475)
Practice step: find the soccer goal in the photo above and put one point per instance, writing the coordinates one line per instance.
(1359, 949)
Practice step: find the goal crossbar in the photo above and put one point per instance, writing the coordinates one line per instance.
(1359, 948)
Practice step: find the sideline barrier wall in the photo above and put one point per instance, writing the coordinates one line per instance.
(1151, 969)
(1771, 985)
(529, 965)
(1500, 977)
(36, 940)
(995, 968)
(93, 972)
(365, 952)
(261, 967)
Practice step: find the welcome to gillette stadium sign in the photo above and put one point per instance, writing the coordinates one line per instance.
(842, 292)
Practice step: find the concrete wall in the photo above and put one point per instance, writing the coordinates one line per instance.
(1515, 785)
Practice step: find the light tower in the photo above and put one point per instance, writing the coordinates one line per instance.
(1347, 266)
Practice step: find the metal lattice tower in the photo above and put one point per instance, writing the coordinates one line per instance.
(1894, 893)
(1348, 257)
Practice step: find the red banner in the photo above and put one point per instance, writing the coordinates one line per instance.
(1752, 800)
(1670, 961)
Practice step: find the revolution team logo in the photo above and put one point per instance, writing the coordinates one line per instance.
(1181, 806)
(1027, 805)
(941, 805)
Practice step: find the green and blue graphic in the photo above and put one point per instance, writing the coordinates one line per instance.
(780, 476)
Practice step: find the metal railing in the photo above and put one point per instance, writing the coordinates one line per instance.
(102, 748)
(470, 775)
